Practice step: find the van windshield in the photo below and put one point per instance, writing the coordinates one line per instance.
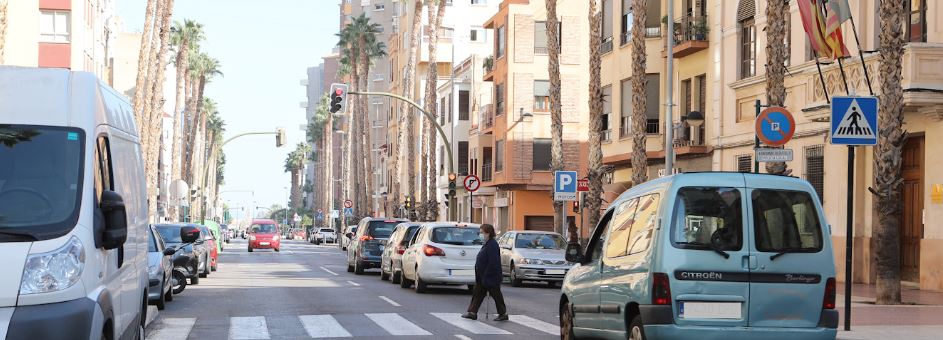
(40, 181)
(708, 218)
(785, 221)
(263, 228)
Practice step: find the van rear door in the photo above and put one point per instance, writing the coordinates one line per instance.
(794, 263)
(709, 258)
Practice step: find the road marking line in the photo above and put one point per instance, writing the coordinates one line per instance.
(173, 329)
(248, 327)
(542, 326)
(390, 301)
(323, 326)
(462, 337)
(329, 271)
(476, 327)
(354, 283)
(396, 324)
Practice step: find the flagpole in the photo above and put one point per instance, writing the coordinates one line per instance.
(821, 77)
(854, 31)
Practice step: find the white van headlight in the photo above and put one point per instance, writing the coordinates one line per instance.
(55, 270)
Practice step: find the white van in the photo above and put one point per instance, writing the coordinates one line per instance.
(73, 209)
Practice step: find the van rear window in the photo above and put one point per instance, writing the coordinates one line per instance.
(708, 218)
(785, 221)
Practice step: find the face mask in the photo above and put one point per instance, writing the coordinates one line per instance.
(483, 236)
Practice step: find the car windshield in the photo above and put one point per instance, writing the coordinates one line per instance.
(40, 180)
(785, 221)
(708, 218)
(171, 234)
(327, 230)
(456, 235)
(539, 241)
(381, 229)
(263, 228)
(207, 235)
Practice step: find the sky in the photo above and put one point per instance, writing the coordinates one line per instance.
(265, 48)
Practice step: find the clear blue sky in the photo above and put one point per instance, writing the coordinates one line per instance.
(265, 48)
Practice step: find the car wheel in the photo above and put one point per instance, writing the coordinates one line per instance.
(169, 294)
(358, 267)
(404, 282)
(515, 282)
(396, 277)
(278, 250)
(566, 322)
(636, 329)
(383, 275)
(161, 303)
(195, 280)
(421, 286)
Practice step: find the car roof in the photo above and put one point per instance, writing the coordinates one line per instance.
(450, 224)
(263, 220)
(533, 232)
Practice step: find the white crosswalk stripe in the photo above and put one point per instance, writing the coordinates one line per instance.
(173, 329)
(476, 327)
(248, 328)
(545, 327)
(396, 324)
(323, 326)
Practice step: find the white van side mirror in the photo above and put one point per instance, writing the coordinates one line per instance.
(116, 220)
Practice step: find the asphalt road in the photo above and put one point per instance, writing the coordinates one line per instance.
(305, 292)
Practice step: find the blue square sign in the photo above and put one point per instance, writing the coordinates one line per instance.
(564, 185)
(854, 121)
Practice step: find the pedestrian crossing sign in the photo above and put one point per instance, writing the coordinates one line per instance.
(854, 120)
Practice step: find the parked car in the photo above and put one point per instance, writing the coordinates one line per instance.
(159, 269)
(323, 235)
(533, 256)
(217, 234)
(72, 190)
(191, 256)
(441, 253)
(299, 234)
(212, 254)
(391, 262)
(263, 234)
(345, 237)
(225, 232)
(366, 246)
(712, 255)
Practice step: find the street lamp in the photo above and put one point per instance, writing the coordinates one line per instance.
(695, 119)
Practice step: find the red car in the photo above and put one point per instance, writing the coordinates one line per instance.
(209, 241)
(299, 234)
(263, 234)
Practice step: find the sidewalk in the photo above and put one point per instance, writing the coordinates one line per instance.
(918, 308)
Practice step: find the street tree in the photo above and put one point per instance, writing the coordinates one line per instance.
(407, 120)
(638, 82)
(556, 111)
(435, 11)
(144, 58)
(294, 164)
(596, 170)
(3, 27)
(777, 13)
(186, 34)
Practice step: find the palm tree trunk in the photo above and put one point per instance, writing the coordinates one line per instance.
(3, 28)
(888, 154)
(144, 58)
(594, 200)
(195, 118)
(155, 113)
(366, 129)
(556, 111)
(776, 14)
(407, 130)
(639, 105)
(435, 12)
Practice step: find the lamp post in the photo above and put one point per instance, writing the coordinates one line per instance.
(695, 119)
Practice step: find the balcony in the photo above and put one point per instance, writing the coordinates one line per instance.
(486, 172)
(652, 126)
(650, 32)
(606, 45)
(607, 136)
(488, 67)
(690, 35)
(486, 117)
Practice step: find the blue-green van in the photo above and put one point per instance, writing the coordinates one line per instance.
(705, 256)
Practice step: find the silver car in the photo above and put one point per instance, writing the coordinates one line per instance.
(533, 256)
(159, 269)
(323, 235)
(391, 263)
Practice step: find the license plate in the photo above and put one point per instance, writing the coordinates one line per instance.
(463, 272)
(555, 271)
(710, 310)
(381, 247)
(264, 243)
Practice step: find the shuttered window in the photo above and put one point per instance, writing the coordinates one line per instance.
(745, 163)
(541, 154)
(463, 157)
(463, 106)
(746, 9)
(815, 169)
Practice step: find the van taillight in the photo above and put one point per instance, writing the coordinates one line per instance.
(661, 291)
(828, 302)
(432, 251)
(366, 238)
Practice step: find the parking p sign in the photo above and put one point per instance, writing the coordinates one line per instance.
(564, 186)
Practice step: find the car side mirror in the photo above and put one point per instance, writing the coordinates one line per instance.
(170, 251)
(574, 252)
(115, 232)
(350, 235)
(189, 234)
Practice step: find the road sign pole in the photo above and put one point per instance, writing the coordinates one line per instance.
(756, 138)
(471, 206)
(849, 230)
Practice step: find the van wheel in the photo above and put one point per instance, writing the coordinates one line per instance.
(515, 282)
(636, 329)
(566, 322)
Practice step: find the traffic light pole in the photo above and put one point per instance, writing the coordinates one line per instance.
(431, 118)
(206, 168)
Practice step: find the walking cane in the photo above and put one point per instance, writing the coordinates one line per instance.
(488, 307)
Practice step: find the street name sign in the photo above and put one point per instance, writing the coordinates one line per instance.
(854, 121)
(773, 155)
(775, 126)
(564, 186)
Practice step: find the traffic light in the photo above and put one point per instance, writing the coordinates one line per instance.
(576, 207)
(452, 177)
(338, 98)
(279, 137)
(409, 203)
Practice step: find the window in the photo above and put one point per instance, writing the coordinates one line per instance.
(379, 7)
(708, 218)
(499, 42)
(627, 21)
(541, 154)
(477, 34)
(744, 163)
(499, 99)
(788, 39)
(479, 2)
(747, 48)
(686, 97)
(625, 117)
(643, 228)
(463, 157)
(606, 43)
(540, 36)
(621, 223)
(594, 247)
(606, 110)
(785, 221)
(463, 105)
(652, 88)
(499, 155)
(456, 236)
(541, 95)
(917, 24)
(539, 241)
(815, 169)
(443, 110)
(55, 26)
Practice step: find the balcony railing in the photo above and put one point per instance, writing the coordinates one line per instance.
(486, 172)
(650, 32)
(605, 45)
(690, 35)
(686, 135)
(607, 135)
(486, 117)
(652, 126)
(540, 50)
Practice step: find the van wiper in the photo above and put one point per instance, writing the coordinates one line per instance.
(18, 234)
(784, 251)
(713, 247)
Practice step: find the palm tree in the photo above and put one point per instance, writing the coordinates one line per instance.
(203, 69)
(317, 135)
(295, 164)
(350, 56)
(186, 34)
(638, 83)
(3, 28)
(407, 125)
(436, 11)
(596, 99)
(144, 58)
(777, 13)
(888, 153)
(200, 157)
(556, 111)
(153, 107)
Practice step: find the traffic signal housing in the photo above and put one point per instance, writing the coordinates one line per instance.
(452, 178)
(576, 207)
(279, 137)
(338, 102)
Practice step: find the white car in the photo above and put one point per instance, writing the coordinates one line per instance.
(441, 253)
(324, 235)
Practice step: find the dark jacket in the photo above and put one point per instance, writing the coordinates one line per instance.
(488, 265)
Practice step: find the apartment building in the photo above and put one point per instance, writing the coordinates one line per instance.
(74, 34)
(313, 84)
(511, 147)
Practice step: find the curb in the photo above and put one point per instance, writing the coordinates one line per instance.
(151, 316)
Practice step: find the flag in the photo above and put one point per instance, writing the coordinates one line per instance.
(840, 9)
(808, 11)
(836, 11)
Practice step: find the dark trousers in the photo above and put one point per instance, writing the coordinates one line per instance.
(478, 296)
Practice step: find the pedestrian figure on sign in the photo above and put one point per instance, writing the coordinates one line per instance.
(854, 116)
(488, 276)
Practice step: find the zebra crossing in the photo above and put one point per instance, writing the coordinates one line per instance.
(428, 325)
